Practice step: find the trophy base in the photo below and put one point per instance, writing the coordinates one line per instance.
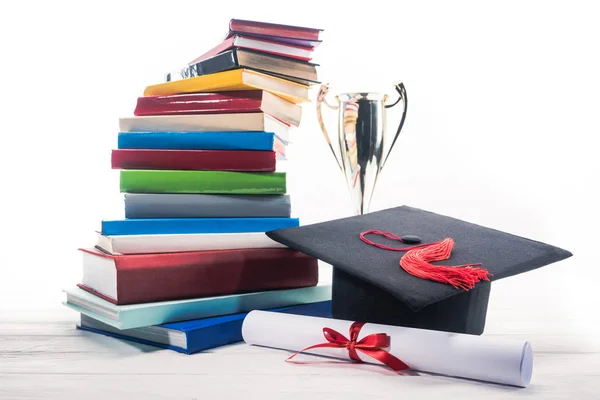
(356, 300)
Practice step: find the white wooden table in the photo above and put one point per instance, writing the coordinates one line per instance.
(43, 356)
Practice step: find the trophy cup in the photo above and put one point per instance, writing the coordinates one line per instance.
(361, 139)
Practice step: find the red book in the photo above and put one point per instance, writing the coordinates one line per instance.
(246, 101)
(266, 46)
(145, 278)
(270, 29)
(197, 160)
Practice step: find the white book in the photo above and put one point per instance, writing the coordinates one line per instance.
(206, 123)
(146, 244)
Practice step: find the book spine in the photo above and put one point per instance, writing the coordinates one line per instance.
(157, 226)
(181, 276)
(194, 123)
(215, 103)
(219, 63)
(197, 140)
(231, 332)
(173, 243)
(258, 161)
(135, 316)
(139, 205)
(209, 182)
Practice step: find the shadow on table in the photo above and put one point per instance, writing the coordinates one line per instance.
(380, 370)
(116, 342)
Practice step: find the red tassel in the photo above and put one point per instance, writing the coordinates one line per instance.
(417, 262)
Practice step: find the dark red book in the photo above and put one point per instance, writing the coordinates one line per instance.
(145, 278)
(293, 34)
(247, 101)
(197, 160)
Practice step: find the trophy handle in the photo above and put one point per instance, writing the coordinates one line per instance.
(323, 90)
(402, 92)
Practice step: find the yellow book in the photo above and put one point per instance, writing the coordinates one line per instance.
(237, 79)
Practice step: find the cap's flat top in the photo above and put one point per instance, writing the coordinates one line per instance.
(338, 243)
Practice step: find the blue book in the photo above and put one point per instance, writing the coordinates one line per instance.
(162, 312)
(158, 226)
(197, 140)
(196, 335)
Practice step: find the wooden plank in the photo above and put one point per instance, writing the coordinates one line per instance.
(51, 359)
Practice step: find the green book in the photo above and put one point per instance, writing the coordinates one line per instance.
(221, 182)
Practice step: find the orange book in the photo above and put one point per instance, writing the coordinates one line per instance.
(237, 79)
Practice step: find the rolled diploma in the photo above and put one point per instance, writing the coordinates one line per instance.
(483, 358)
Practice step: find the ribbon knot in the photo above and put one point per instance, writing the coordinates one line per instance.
(351, 345)
(371, 345)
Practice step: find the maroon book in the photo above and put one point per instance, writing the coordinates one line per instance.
(197, 160)
(144, 278)
(286, 33)
(244, 101)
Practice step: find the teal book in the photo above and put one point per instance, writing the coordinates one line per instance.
(209, 182)
(146, 314)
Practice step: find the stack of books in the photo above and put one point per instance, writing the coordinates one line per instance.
(198, 169)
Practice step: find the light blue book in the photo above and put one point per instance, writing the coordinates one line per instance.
(147, 314)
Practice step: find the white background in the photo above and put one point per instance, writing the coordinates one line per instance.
(502, 127)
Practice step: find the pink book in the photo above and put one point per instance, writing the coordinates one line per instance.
(298, 35)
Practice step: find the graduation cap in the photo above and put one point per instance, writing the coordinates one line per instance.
(410, 288)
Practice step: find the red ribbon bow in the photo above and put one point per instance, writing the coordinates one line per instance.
(371, 345)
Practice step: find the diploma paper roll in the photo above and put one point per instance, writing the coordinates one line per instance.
(483, 358)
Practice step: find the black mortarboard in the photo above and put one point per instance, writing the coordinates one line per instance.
(370, 286)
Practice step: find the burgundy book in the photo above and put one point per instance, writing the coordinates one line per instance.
(258, 44)
(197, 160)
(246, 101)
(284, 33)
(145, 278)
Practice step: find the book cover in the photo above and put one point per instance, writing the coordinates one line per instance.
(207, 160)
(259, 141)
(147, 314)
(158, 226)
(217, 182)
(146, 278)
(176, 243)
(238, 79)
(197, 335)
(157, 205)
